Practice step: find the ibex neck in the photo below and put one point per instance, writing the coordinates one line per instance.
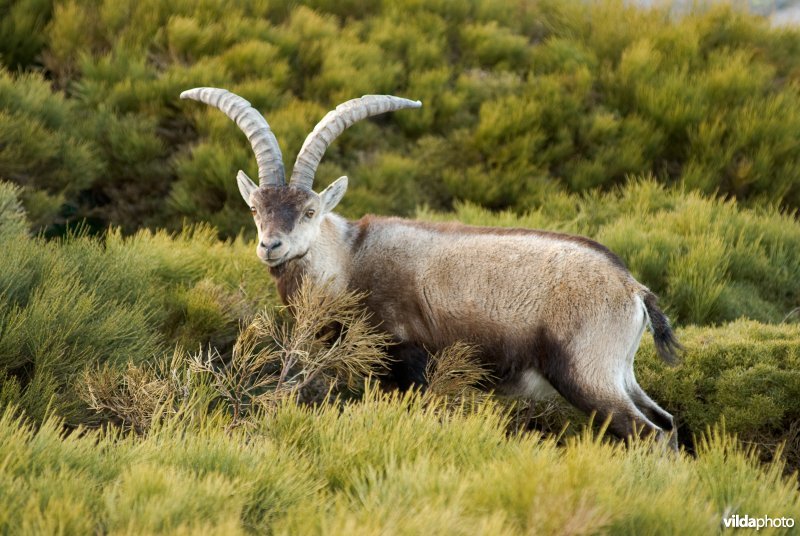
(327, 261)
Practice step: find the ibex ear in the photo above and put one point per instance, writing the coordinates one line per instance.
(331, 195)
(246, 186)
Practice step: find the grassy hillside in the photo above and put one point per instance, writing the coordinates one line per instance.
(386, 465)
(77, 302)
(148, 384)
(80, 303)
(522, 100)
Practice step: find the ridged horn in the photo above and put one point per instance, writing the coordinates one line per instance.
(255, 127)
(333, 124)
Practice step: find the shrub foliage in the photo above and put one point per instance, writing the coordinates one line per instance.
(672, 140)
(77, 302)
(521, 100)
(117, 329)
(388, 464)
(140, 331)
(743, 374)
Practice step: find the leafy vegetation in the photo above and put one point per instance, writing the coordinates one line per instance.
(387, 464)
(77, 302)
(743, 374)
(97, 329)
(521, 100)
(147, 384)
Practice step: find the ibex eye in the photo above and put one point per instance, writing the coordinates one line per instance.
(253, 210)
(310, 213)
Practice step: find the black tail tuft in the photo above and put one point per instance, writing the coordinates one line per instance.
(667, 345)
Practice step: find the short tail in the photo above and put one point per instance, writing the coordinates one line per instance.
(667, 345)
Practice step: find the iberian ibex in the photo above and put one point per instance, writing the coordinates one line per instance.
(550, 312)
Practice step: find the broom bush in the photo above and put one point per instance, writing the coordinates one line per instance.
(147, 386)
(90, 328)
(387, 464)
(78, 302)
(521, 100)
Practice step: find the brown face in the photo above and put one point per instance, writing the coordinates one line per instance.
(288, 221)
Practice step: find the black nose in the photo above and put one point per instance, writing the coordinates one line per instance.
(275, 244)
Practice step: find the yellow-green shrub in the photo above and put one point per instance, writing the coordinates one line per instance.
(520, 101)
(744, 374)
(79, 302)
(385, 464)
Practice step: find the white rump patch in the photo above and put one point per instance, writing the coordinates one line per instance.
(643, 307)
(534, 386)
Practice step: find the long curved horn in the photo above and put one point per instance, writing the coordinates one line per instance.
(334, 124)
(255, 127)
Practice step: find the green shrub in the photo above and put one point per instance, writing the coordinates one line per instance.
(520, 102)
(386, 464)
(40, 148)
(744, 374)
(13, 224)
(22, 36)
(80, 302)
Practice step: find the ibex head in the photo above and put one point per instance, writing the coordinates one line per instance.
(288, 217)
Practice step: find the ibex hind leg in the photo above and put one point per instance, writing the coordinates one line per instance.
(584, 374)
(655, 413)
(626, 420)
(643, 402)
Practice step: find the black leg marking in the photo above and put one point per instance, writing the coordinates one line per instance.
(588, 394)
(653, 411)
(406, 367)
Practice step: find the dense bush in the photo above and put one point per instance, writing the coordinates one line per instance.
(111, 311)
(744, 374)
(521, 100)
(79, 302)
(384, 465)
(43, 147)
(22, 35)
(544, 110)
(88, 330)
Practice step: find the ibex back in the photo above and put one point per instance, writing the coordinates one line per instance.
(548, 312)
